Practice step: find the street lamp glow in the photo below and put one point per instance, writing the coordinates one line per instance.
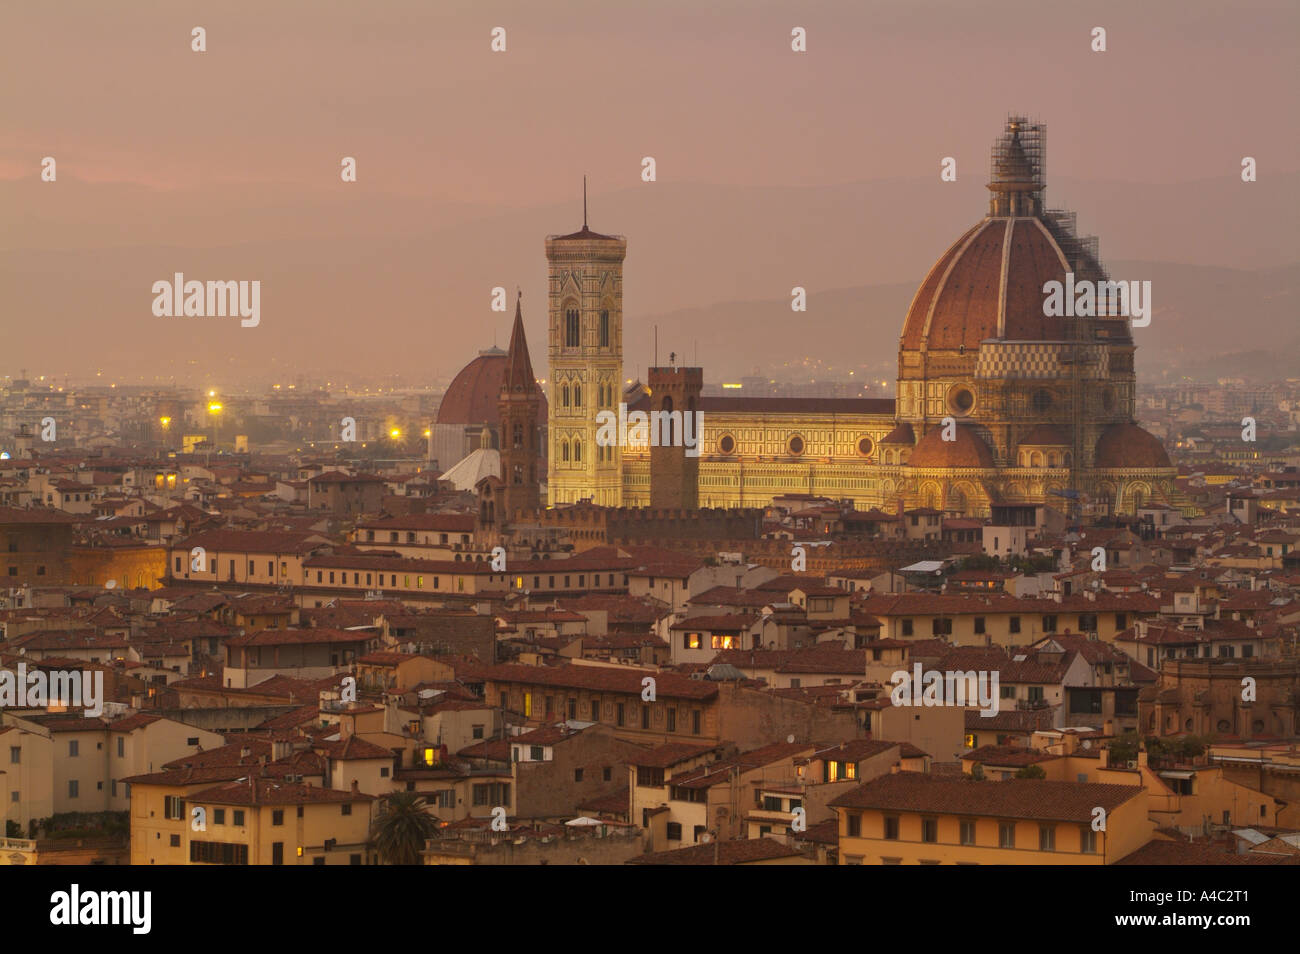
(164, 421)
(214, 407)
(395, 433)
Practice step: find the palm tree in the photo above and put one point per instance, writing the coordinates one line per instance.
(400, 832)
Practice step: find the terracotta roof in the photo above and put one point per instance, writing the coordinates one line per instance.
(270, 791)
(1014, 798)
(902, 434)
(622, 679)
(729, 852)
(1045, 435)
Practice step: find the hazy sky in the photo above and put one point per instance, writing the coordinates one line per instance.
(158, 146)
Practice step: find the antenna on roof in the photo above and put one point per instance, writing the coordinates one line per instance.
(584, 203)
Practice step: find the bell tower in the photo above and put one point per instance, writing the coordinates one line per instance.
(585, 348)
(520, 440)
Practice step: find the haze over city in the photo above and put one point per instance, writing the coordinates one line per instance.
(773, 171)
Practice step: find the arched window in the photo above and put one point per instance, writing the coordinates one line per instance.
(519, 474)
(577, 452)
(564, 450)
(517, 435)
(572, 329)
(577, 395)
(604, 328)
(564, 396)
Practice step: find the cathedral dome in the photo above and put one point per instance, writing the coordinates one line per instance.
(968, 449)
(1127, 445)
(473, 394)
(989, 284)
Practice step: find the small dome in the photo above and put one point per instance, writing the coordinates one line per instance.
(1127, 445)
(968, 449)
(902, 434)
(1045, 435)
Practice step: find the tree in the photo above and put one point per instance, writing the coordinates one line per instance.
(1031, 771)
(1125, 748)
(400, 832)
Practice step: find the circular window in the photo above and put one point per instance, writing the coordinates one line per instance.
(961, 400)
(1042, 401)
(727, 444)
(865, 446)
(796, 445)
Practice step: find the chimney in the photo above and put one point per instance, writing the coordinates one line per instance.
(355, 788)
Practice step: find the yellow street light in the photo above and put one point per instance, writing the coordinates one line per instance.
(395, 433)
(214, 407)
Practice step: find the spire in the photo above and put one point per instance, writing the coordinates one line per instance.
(584, 203)
(518, 377)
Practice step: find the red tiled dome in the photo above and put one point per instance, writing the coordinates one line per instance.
(961, 300)
(1045, 435)
(968, 449)
(474, 392)
(1127, 445)
(902, 434)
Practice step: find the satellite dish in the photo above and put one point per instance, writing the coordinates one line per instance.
(705, 838)
(1087, 743)
(789, 738)
(110, 584)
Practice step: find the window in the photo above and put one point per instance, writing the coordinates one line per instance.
(572, 328)
(74, 748)
(1046, 837)
(1049, 623)
(853, 828)
(354, 859)
(606, 773)
(604, 328)
(477, 732)
(277, 817)
(577, 775)
(645, 717)
(695, 722)
(277, 852)
(907, 627)
(674, 831)
(620, 714)
(1015, 624)
(967, 832)
(1087, 840)
(237, 817)
(74, 789)
(218, 816)
(891, 828)
(218, 853)
(941, 627)
(346, 808)
(1121, 620)
(173, 807)
(979, 625)
(1006, 836)
(930, 829)
(671, 720)
(15, 754)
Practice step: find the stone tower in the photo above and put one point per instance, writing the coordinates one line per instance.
(520, 441)
(674, 474)
(585, 348)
